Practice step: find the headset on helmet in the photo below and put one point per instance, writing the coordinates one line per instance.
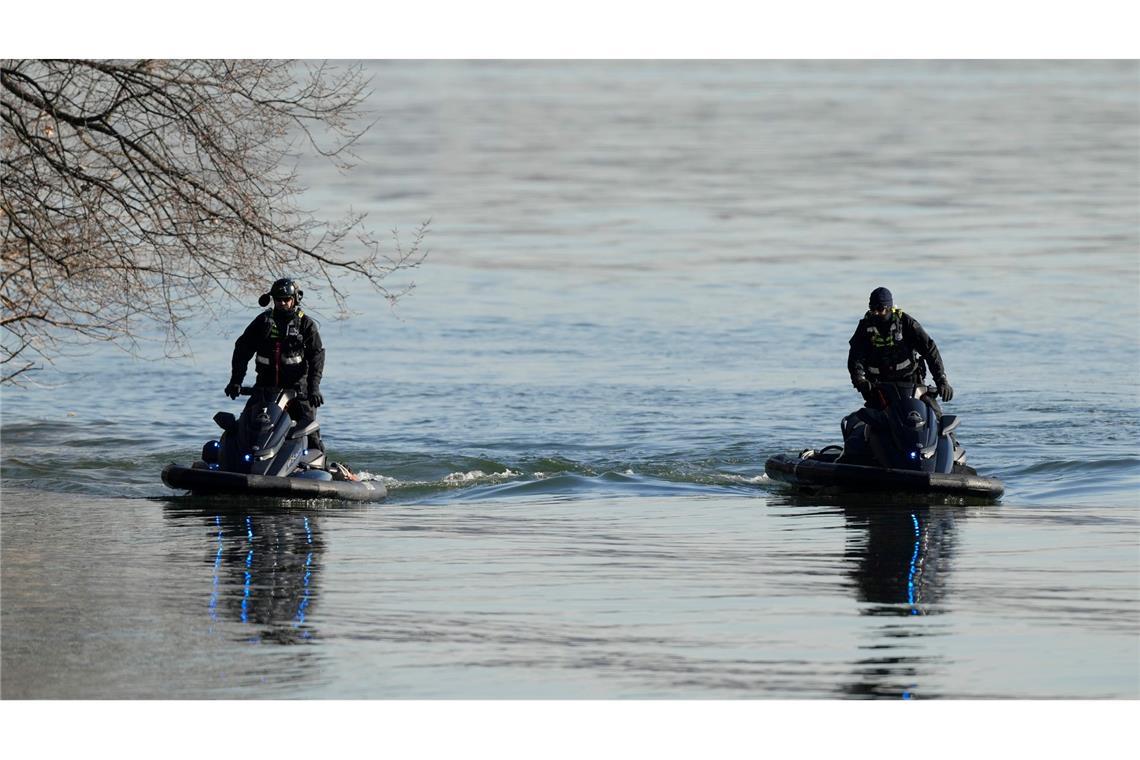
(283, 288)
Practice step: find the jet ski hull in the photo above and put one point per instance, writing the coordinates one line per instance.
(815, 473)
(204, 481)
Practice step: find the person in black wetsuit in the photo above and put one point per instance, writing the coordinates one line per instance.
(289, 354)
(890, 346)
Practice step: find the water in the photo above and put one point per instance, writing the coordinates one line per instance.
(642, 281)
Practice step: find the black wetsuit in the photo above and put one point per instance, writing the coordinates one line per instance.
(289, 354)
(894, 349)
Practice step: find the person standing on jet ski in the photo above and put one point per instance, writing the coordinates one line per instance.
(289, 354)
(890, 346)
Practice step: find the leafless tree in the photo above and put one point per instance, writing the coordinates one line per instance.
(130, 191)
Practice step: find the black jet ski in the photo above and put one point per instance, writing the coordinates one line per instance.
(263, 453)
(901, 446)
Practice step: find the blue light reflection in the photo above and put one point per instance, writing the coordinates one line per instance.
(299, 618)
(913, 570)
(247, 586)
(217, 571)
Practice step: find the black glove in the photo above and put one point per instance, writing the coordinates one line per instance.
(315, 398)
(945, 391)
(862, 384)
(233, 390)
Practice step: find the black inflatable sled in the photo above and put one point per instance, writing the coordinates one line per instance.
(904, 445)
(812, 469)
(263, 453)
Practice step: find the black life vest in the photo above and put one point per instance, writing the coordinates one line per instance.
(891, 358)
(280, 358)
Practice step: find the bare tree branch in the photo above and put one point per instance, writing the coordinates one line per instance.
(131, 190)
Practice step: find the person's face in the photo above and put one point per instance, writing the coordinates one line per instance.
(284, 303)
(880, 311)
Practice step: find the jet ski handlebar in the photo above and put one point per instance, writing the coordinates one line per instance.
(919, 389)
(249, 390)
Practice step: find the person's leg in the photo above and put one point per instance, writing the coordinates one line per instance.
(303, 413)
(932, 402)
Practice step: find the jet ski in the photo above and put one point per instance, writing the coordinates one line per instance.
(263, 453)
(899, 444)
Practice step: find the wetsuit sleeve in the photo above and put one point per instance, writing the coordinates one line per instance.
(857, 354)
(244, 348)
(314, 356)
(926, 348)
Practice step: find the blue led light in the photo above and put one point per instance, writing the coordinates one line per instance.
(914, 455)
(246, 457)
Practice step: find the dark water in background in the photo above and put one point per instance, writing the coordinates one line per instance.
(642, 280)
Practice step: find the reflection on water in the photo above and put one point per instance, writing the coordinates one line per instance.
(266, 568)
(677, 596)
(902, 558)
(900, 565)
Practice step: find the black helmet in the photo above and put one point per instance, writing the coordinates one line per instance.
(283, 288)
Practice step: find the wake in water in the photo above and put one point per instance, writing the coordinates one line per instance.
(521, 482)
(1107, 480)
(69, 458)
(80, 469)
(76, 468)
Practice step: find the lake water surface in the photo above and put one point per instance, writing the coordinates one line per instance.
(642, 280)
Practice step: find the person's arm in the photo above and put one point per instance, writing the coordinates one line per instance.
(244, 348)
(857, 359)
(315, 358)
(926, 348)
